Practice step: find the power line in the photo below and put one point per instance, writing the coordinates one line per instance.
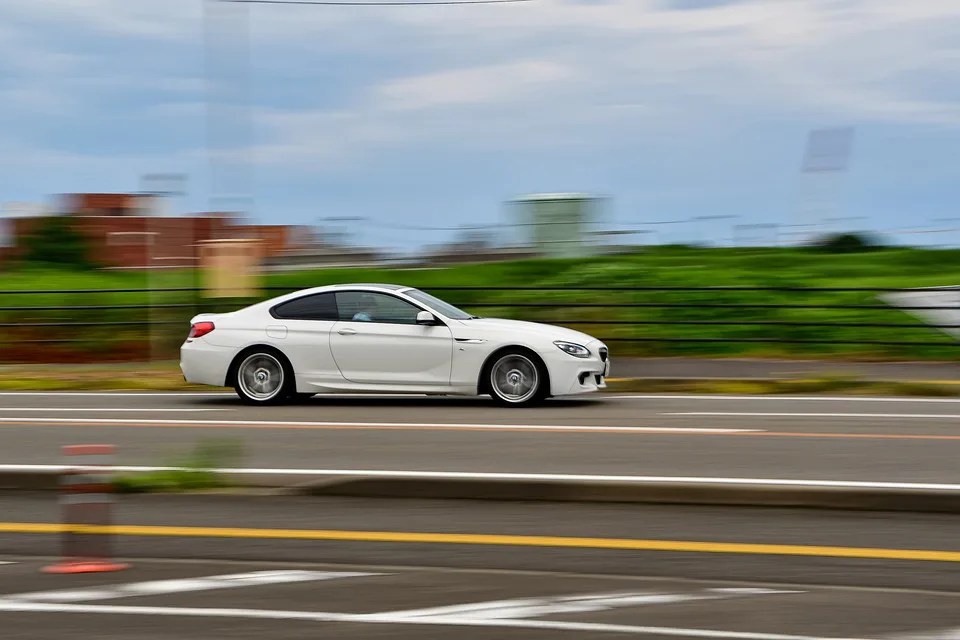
(375, 3)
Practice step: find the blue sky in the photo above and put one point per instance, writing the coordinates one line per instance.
(433, 116)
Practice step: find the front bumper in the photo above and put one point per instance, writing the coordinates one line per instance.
(571, 376)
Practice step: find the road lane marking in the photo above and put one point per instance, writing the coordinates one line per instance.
(116, 394)
(756, 414)
(538, 477)
(945, 634)
(782, 398)
(493, 428)
(494, 540)
(184, 585)
(108, 409)
(598, 397)
(465, 427)
(268, 424)
(311, 616)
(525, 608)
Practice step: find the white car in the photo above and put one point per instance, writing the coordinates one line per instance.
(380, 338)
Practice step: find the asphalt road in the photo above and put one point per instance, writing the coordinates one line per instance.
(250, 585)
(867, 439)
(564, 570)
(728, 368)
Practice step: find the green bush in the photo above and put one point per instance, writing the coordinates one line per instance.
(195, 472)
(55, 241)
(848, 243)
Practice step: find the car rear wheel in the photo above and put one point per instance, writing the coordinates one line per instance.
(263, 377)
(516, 379)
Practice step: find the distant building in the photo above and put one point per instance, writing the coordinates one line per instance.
(105, 204)
(10, 212)
(131, 231)
(557, 225)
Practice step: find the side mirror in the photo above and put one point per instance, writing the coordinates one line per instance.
(425, 317)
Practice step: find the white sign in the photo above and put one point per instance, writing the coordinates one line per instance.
(933, 306)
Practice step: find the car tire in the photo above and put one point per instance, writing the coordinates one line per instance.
(263, 377)
(517, 378)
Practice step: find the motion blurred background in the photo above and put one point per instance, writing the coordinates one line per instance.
(658, 147)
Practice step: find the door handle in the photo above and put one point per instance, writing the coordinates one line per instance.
(346, 332)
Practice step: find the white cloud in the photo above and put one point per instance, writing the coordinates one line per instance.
(507, 82)
(127, 18)
(551, 72)
(34, 101)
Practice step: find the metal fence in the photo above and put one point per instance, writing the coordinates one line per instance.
(132, 324)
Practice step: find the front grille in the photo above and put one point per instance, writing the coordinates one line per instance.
(603, 354)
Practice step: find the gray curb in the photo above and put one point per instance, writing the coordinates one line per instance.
(664, 493)
(668, 493)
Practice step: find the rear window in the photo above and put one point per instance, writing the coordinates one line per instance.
(319, 306)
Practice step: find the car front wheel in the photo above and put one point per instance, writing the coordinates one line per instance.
(517, 379)
(263, 378)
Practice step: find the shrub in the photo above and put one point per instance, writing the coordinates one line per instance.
(54, 241)
(847, 243)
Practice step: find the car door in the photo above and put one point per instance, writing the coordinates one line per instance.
(378, 341)
(301, 328)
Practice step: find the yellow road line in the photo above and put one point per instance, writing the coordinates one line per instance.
(501, 540)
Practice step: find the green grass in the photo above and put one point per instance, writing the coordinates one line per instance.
(194, 472)
(661, 267)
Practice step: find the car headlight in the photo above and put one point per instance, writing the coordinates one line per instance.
(573, 349)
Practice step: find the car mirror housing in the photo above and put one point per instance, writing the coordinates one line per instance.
(427, 318)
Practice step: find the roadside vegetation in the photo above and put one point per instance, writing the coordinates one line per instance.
(195, 471)
(665, 331)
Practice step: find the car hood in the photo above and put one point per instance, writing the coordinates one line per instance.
(501, 325)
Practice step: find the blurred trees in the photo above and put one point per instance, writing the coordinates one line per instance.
(55, 242)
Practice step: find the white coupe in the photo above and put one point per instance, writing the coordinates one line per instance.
(379, 338)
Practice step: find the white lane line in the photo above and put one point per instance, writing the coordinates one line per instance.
(599, 397)
(785, 398)
(184, 585)
(382, 425)
(105, 410)
(311, 616)
(946, 634)
(115, 394)
(749, 414)
(561, 477)
(525, 608)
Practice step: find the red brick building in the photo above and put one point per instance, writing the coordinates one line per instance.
(121, 233)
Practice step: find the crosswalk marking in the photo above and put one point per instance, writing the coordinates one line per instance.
(946, 634)
(525, 608)
(321, 616)
(183, 585)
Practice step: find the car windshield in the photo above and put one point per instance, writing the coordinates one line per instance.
(439, 305)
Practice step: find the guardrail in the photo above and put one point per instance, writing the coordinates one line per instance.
(650, 320)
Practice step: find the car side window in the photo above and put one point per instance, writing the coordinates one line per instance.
(319, 306)
(364, 306)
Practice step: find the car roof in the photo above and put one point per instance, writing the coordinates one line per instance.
(389, 287)
(341, 287)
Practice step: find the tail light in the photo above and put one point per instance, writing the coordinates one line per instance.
(200, 329)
